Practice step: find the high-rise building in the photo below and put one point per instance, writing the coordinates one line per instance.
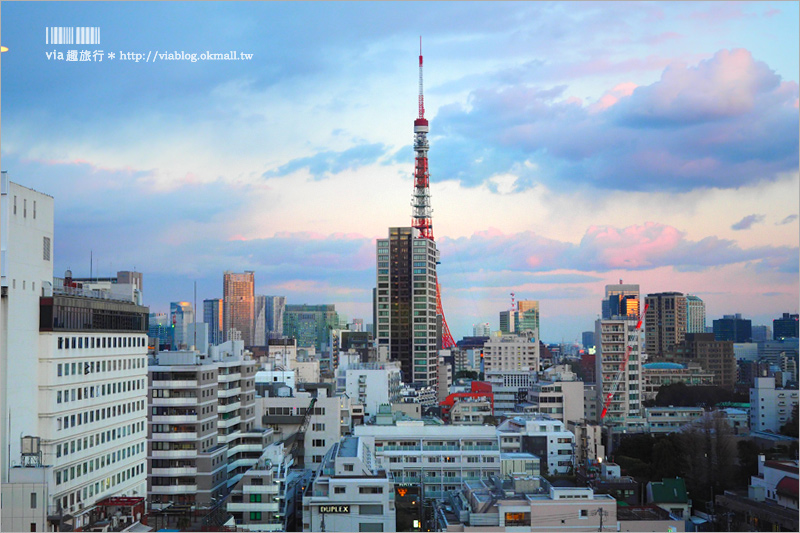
(507, 322)
(160, 328)
(526, 319)
(664, 322)
(695, 314)
(238, 299)
(733, 328)
(785, 327)
(73, 369)
(276, 307)
(621, 300)
(181, 315)
(712, 355)
(614, 340)
(511, 352)
(406, 304)
(311, 325)
(587, 339)
(761, 333)
(212, 315)
(260, 323)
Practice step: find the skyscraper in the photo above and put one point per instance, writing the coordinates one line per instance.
(664, 322)
(481, 330)
(238, 305)
(621, 300)
(785, 327)
(614, 339)
(260, 321)
(181, 314)
(212, 315)
(311, 325)
(733, 328)
(406, 303)
(695, 314)
(276, 308)
(526, 318)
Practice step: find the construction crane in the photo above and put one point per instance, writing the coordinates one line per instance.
(623, 367)
(300, 435)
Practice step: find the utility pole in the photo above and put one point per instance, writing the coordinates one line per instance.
(602, 514)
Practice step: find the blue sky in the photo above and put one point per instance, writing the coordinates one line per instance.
(572, 145)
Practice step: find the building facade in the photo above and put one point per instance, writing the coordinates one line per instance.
(311, 325)
(770, 407)
(733, 328)
(785, 327)
(181, 316)
(406, 304)
(618, 371)
(511, 352)
(212, 315)
(238, 306)
(695, 314)
(621, 300)
(664, 322)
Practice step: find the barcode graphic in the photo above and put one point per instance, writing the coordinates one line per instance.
(72, 35)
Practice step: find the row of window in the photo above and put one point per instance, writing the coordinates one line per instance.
(98, 463)
(101, 486)
(79, 343)
(96, 439)
(92, 415)
(82, 368)
(98, 391)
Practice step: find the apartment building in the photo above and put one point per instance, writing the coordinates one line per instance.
(770, 406)
(351, 491)
(618, 372)
(542, 436)
(511, 353)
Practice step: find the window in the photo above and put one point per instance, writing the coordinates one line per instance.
(46, 248)
(317, 427)
(255, 516)
(370, 490)
(370, 509)
(319, 443)
(348, 468)
(369, 526)
(33, 500)
(255, 498)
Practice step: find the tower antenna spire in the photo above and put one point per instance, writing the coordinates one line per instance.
(421, 97)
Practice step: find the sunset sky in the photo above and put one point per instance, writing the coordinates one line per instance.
(572, 145)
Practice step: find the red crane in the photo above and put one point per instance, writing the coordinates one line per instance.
(623, 367)
(422, 214)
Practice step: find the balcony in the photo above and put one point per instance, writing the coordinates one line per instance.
(174, 436)
(176, 384)
(173, 489)
(155, 402)
(244, 507)
(174, 454)
(178, 471)
(227, 393)
(225, 378)
(227, 408)
(226, 423)
(178, 419)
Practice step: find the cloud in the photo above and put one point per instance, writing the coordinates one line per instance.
(787, 220)
(747, 222)
(323, 164)
(727, 122)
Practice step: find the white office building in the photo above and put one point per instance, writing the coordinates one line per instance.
(74, 371)
(370, 384)
(770, 407)
(542, 436)
(511, 353)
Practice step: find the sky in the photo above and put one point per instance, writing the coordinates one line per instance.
(572, 145)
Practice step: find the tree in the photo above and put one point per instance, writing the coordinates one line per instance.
(790, 429)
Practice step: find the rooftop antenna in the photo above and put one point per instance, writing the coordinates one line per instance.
(91, 263)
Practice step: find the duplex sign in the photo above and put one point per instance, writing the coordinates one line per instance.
(334, 509)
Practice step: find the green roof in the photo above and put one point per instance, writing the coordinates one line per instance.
(669, 490)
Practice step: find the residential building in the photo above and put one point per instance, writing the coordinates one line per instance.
(664, 322)
(444, 378)
(328, 423)
(351, 491)
(238, 305)
(609, 480)
(733, 328)
(770, 503)
(467, 408)
(212, 315)
(559, 399)
(542, 436)
(589, 449)
(202, 436)
(785, 327)
(670, 494)
(770, 407)
(426, 455)
(670, 419)
(656, 375)
(511, 352)
(712, 355)
(310, 324)
(618, 372)
(406, 304)
(181, 314)
(510, 388)
(695, 314)
(527, 503)
(621, 300)
(255, 500)
(370, 384)
(73, 370)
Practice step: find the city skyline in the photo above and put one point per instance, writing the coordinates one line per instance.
(571, 145)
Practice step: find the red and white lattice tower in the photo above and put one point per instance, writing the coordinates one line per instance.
(422, 213)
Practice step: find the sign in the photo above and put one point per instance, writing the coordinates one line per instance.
(334, 509)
